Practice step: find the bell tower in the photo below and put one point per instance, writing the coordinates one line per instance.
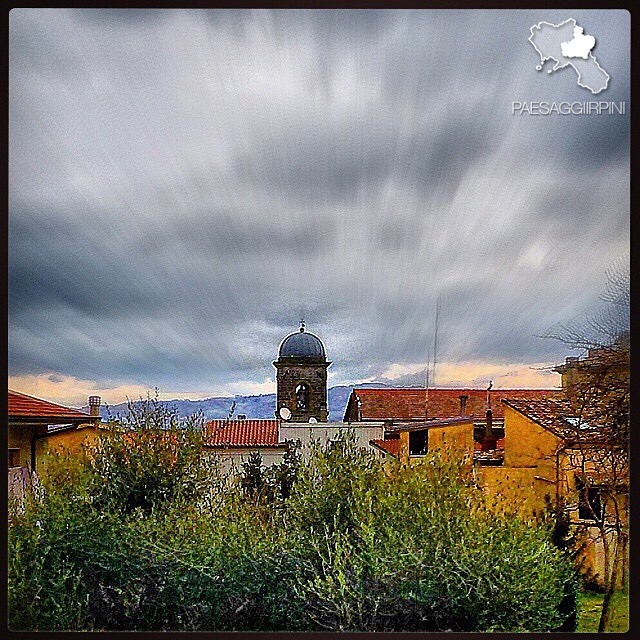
(301, 378)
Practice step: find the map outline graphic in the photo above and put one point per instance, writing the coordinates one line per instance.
(562, 61)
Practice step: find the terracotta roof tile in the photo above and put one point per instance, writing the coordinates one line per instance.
(409, 404)
(23, 407)
(242, 433)
(392, 447)
(552, 414)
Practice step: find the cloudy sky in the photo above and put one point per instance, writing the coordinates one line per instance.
(186, 185)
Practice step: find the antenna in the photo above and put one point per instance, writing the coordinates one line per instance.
(435, 350)
(435, 340)
(231, 411)
(426, 386)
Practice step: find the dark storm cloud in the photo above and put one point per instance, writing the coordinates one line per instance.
(226, 237)
(185, 185)
(53, 265)
(431, 158)
(606, 141)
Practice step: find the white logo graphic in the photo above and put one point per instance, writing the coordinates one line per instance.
(567, 45)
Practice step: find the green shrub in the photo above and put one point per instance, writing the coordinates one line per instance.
(149, 458)
(417, 549)
(48, 543)
(340, 542)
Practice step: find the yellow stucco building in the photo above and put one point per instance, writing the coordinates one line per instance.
(36, 426)
(547, 460)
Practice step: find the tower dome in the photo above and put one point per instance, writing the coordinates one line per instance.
(302, 345)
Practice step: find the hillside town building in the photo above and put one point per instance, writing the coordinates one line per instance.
(415, 417)
(531, 451)
(34, 425)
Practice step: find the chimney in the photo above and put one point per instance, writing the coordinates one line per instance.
(488, 430)
(242, 416)
(463, 404)
(94, 406)
(570, 377)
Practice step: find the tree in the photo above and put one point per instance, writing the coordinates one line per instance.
(253, 479)
(272, 484)
(285, 473)
(357, 546)
(609, 326)
(598, 451)
(148, 457)
(598, 391)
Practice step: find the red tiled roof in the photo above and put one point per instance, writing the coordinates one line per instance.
(23, 407)
(551, 414)
(392, 447)
(242, 433)
(409, 404)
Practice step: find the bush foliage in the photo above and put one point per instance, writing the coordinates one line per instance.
(144, 534)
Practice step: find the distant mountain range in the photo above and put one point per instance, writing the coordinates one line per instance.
(257, 407)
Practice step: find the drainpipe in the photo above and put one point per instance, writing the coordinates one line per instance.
(34, 439)
(564, 447)
(33, 453)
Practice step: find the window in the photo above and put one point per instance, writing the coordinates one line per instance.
(14, 458)
(302, 397)
(589, 502)
(417, 443)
